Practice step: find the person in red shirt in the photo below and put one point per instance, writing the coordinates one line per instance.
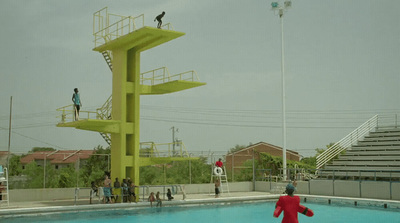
(290, 205)
(219, 163)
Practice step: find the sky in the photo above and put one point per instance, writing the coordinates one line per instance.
(342, 63)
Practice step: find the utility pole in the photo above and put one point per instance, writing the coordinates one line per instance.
(173, 139)
(9, 137)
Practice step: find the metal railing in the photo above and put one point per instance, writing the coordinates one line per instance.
(347, 141)
(107, 26)
(168, 26)
(151, 149)
(121, 197)
(68, 112)
(388, 121)
(161, 75)
(105, 111)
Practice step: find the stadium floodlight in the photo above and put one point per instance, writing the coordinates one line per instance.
(281, 10)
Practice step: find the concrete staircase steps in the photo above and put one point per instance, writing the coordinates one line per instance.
(373, 148)
(389, 129)
(362, 168)
(369, 158)
(379, 143)
(384, 163)
(383, 134)
(372, 153)
(381, 138)
(376, 155)
(359, 174)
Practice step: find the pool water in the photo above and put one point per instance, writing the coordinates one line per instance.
(244, 212)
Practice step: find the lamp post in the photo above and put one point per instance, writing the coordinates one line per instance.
(281, 9)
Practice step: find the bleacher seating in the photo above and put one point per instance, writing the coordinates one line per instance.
(376, 157)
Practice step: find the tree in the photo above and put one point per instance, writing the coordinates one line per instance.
(312, 160)
(34, 174)
(95, 167)
(41, 149)
(15, 166)
(236, 148)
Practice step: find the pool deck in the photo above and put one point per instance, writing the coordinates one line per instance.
(33, 207)
(40, 207)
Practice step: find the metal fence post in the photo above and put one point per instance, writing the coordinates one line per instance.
(233, 168)
(254, 174)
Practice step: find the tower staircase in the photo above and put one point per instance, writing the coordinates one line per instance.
(107, 57)
(374, 156)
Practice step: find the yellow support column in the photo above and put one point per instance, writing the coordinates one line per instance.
(119, 145)
(133, 114)
(126, 108)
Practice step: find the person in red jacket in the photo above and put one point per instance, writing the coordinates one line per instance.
(290, 205)
(219, 163)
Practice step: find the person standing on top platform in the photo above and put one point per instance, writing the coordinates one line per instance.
(76, 99)
(158, 18)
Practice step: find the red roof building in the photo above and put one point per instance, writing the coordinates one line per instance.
(235, 160)
(58, 158)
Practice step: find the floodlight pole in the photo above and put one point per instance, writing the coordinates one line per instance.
(281, 10)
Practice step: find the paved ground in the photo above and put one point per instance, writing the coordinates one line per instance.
(179, 197)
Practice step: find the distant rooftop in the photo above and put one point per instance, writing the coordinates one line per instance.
(58, 156)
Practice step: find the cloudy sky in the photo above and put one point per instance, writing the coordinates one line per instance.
(342, 63)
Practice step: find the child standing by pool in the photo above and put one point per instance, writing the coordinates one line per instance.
(151, 199)
(217, 185)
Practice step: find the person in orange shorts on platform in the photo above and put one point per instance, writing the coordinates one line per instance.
(290, 205)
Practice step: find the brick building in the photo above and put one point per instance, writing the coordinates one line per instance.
(239, 157)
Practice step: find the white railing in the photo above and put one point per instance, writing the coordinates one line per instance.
(161, 75)
(151, 149)
(68, 112)
(167, 26)
(105, 111)
(107, 26)
(388, 121)
(347, 141)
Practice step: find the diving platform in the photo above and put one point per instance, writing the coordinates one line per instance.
(105, 126)
(121, 39)
(140, 40)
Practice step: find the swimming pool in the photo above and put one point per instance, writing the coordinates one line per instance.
(238, 212)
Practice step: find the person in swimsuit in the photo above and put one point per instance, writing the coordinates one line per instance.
(107, 190)
(158, 18)
(151, 199)
(76, 99)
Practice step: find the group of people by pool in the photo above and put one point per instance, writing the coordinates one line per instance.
(124, 190)
(157, 198)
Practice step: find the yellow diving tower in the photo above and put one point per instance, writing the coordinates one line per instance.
(121, 39)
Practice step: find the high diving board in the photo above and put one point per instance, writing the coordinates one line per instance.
(97, 125)
(140, 40)
(169, 87)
